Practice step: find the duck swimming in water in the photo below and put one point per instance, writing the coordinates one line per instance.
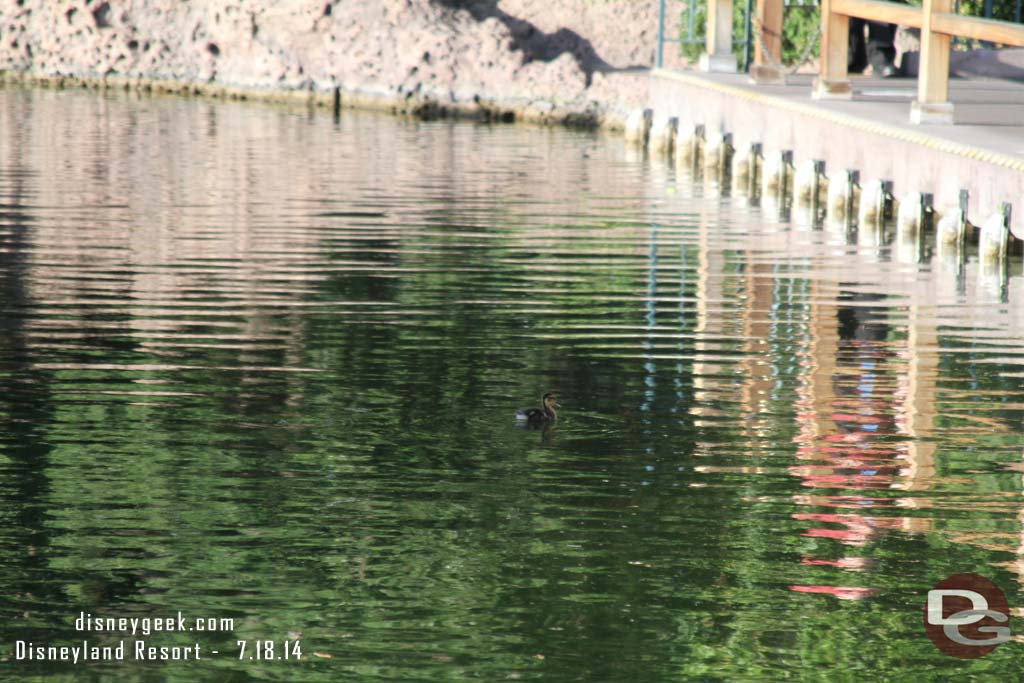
(543, 415)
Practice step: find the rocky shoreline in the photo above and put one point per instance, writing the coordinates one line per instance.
(577, 62)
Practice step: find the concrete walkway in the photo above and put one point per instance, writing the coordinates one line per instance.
(988, 113)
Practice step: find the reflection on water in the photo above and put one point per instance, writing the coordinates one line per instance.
(261, 364)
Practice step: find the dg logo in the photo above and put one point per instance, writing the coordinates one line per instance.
(967, 616)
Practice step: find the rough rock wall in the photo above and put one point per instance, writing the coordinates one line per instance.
(514, 52)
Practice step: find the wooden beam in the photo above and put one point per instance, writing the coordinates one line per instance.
(980, 29)
(878, 10)
(932, 104)
(768, 34)
(992, 30)
(833, 81)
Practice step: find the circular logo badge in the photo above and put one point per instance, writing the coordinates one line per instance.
(967, 616)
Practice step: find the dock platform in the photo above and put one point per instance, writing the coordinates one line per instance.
(871, 133)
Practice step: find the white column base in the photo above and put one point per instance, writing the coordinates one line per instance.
(940, 113)
(832, 90)
(722, 63)
(762, 74)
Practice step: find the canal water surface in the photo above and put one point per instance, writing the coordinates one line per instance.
(259, 364)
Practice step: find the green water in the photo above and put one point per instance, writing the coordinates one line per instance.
(260, 364)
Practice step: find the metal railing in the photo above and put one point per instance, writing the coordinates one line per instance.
(688, 34)
(691, 36)
(938, 21)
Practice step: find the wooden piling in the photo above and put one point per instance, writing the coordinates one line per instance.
(663, 134)
(689, 143)
(842, 191)
(994, 237)
(951, 229)
(745, 168)
(717, 151)
(807, 183)
(910, 216)
(638, 126)
(874, 198)
(910, 221)
(775, 173)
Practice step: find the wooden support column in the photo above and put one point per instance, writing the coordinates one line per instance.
(767, 66)
(718, 56)
(833, 81)
(932, 104)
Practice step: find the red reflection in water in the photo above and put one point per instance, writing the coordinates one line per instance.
(853, 564)
(841, 592)
(847, 417)
(858, 529)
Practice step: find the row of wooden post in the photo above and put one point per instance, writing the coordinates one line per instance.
(842, 196)
(935, 19)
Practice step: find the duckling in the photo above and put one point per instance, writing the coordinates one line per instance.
(546, 413)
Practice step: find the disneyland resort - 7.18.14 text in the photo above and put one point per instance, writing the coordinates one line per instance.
(136, 649)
